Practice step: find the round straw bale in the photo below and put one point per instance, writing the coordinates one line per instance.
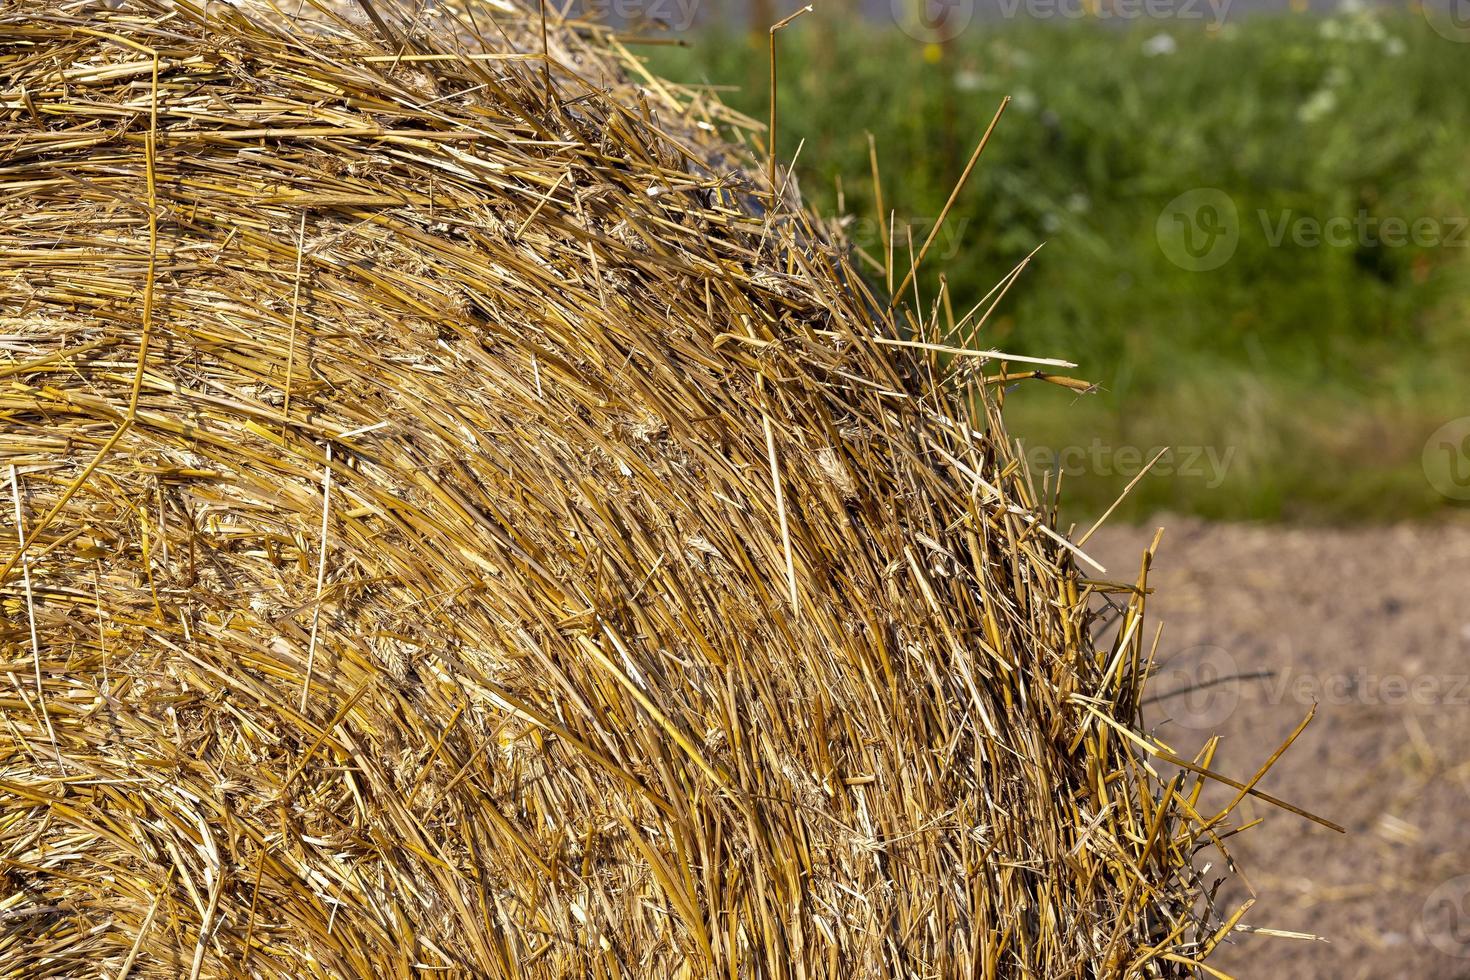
(461, 522)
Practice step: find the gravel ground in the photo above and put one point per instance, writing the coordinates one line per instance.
(1372, 625)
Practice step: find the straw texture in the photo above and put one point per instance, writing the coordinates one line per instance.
(454, 527)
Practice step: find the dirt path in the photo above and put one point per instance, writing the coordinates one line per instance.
(1374, 626)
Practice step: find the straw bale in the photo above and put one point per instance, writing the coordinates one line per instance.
(457, 524)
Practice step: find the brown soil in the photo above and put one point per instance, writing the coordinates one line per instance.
(1374, 626)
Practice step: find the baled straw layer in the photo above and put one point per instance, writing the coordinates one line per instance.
(454, 528)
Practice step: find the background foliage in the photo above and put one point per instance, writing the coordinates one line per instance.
(1314, 374)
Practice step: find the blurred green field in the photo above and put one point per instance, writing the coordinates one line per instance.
(1299, 380)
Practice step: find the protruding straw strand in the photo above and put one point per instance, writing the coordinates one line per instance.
(953, 196)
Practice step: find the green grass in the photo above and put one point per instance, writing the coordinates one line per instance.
(1314, 373)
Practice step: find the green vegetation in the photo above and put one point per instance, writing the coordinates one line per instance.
(1311, 374)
